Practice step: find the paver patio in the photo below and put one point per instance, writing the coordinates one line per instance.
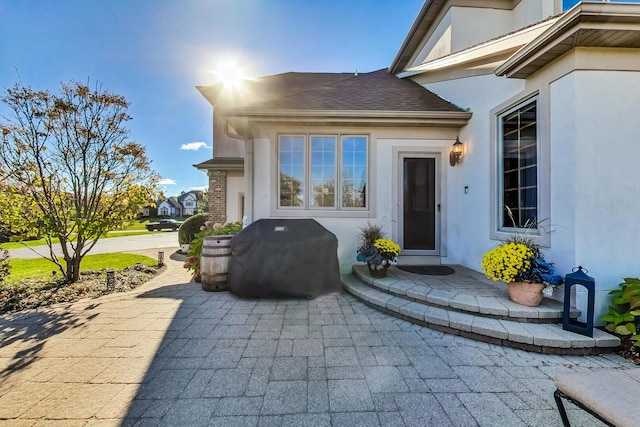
(172, 354)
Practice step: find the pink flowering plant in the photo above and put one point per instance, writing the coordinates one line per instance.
(209, 228)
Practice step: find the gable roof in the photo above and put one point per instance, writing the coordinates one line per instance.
(585, 25)
(173, 201)
(194, 193)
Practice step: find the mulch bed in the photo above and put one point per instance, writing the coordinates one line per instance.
(629, 351)
(30, 294)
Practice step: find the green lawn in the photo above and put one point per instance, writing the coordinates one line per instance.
(40, 268)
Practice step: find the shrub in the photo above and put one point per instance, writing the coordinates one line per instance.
(190, 227)
(207, 229)
(625, 307)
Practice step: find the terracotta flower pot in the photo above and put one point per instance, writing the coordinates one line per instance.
(378, 274)
(526, 293)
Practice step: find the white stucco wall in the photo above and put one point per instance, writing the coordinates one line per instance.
(224, 145)
(438, 43)
(235, 187)
(473, 25)
(595, 193)
(529, 11)
(468, 24)
(382, 193)
(262, 179)
(468, 215)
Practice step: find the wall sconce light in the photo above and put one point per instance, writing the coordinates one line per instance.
(455, 156)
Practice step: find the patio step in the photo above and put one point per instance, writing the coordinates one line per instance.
(537, 337)
(549, 311)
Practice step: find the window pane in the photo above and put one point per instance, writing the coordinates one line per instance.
(323, 171)
(520, 166)
(292, 170)
(354, 172)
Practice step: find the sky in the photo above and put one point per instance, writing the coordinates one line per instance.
(154, 53)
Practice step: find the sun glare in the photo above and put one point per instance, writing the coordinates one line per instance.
(229, 73)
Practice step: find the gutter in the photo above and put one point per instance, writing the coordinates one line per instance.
(241, 120)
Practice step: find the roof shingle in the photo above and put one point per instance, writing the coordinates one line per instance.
(375, 91)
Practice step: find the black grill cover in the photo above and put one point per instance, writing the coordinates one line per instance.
(280, 258)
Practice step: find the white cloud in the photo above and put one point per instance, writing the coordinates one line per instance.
(166, 181)
(194, 146)
(203, 188)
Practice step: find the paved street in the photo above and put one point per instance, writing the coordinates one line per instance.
(165, 239)
(171, 354)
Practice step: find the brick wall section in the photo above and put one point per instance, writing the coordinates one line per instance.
(218, 196)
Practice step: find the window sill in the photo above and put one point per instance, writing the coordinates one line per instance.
(541, 238)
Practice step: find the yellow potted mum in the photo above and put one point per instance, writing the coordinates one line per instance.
(522, 266)
(379, 256)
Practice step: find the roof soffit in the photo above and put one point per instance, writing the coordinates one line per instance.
(585, 25)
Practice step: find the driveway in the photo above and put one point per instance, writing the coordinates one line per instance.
(162, 240)
(172, 354)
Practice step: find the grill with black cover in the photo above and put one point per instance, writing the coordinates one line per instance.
(284, 258)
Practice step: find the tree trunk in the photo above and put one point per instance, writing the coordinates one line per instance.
(73, 269)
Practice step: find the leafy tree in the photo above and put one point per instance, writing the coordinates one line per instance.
(68, 168)
(203, 201)
(290, 190)
(5, 266)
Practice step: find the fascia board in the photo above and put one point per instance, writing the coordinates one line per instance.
(581, 16)
(485, 50)
(353, 117)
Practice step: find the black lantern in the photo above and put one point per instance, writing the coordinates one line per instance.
(579, 277)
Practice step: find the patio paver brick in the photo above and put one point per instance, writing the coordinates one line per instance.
(171, 354)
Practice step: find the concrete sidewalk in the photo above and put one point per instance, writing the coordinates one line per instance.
(171, 354)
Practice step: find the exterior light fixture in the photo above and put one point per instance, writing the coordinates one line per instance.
(455, 156)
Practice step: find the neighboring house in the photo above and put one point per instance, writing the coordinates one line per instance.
(189, 202)
(186, 204)
(545, 104)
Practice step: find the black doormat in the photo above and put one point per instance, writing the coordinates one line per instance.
(431, 270)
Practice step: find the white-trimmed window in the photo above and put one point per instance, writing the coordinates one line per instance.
(518, 157)
(322, 172)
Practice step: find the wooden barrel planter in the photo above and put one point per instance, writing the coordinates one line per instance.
(214, 262)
